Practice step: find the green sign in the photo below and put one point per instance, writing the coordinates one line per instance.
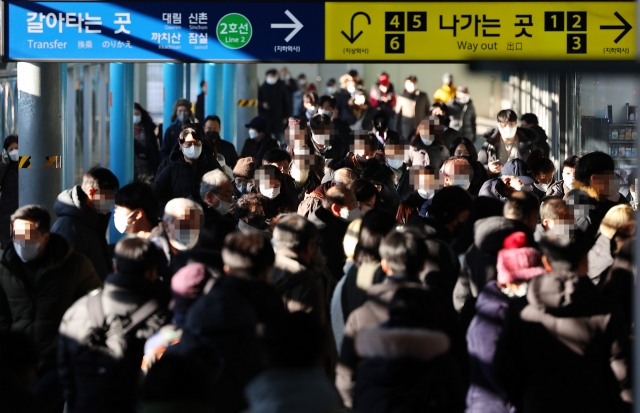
(234, 31)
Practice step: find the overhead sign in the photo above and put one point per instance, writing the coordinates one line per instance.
(181, 31)
(480, 31)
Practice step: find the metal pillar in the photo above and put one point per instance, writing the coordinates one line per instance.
(200, 75)
(121, 116)
(40, 122)
(187, 81)
(246, 88)
(172, 74)
(229, 97)
(210, 99)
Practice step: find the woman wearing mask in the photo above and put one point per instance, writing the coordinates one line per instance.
(9, 186)
(145, 141)
(182, 177)
(361, 114)
(181, 116)
(309, 105)
(276, 198)
(542, 170)
(250, 216)
(411, 107)
(464, 148)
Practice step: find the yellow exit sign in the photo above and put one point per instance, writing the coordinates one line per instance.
(480, 31)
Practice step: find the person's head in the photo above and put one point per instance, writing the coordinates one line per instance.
(556, 217)
(430, 130)
(615, 218)
(380, 122)
(271, 76)
(332, 86)
(187, 285)
(10, 144)
(294, 232)
(366, 193)
(462, 95)
(321, 128)
(343, 177)
(136, 208)
(203, 86)
(30, 231)
(247, 255)
(523, 207)
(342, 203)
(182, 221)
(464, 148)
(569, 170)
(310, 102)
(595, 169)
(278, 158)
(516, 175)
(212, 124)
(257, 127)
(140, 114)
(268, 181)
(561, 254)
(384, 83)
(298, 345)
(302, 80)
(360, 98)
(457, 171)
(447, 79)
(451, 206)
(327, 106)
(190, 140)
(244, 173)
(507, 124)
(517, 263)
(216, 190)
(403, 253)
(441, 110)
(543, 170)
(411, 84)
(250, 210)
(136, 257)
(425, 180)
(365, 144)
(181, 111)
(374, 227)
(528, 120)
(100, 185)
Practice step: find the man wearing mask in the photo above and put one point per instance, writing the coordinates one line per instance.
(216, 191)
(504, 143)
(339, 208)
(309, 105)
(463, 114)
(250, 216)
(273, 102)
(224, 148)
(411, 107)
(181, 116)
(84, 212)
(381, 128)
(447, 91)
(276, 198)
(136, 210)
(41, 276)
(564, 186)
(456, 171)
(259, 142)
(327, 106)
(324, 138)
(515, 177)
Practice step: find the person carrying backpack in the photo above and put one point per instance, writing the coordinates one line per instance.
(102, 335)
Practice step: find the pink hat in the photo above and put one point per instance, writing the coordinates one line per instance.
(518, 262)
(187, 285)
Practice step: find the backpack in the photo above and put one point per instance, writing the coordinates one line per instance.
(105, 367)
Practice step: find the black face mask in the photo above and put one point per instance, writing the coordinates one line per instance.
(212, 136)
(381, 126)
(257, 222)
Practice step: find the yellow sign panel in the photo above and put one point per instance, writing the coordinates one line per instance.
(473, 31)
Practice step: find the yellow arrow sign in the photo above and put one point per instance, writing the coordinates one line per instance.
(474, 31)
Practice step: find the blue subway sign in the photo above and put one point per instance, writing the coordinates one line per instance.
(88, 31)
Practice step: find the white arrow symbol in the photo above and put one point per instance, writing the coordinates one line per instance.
(296, 26)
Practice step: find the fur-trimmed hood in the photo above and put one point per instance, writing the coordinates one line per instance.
(590, 191)
(401, 343)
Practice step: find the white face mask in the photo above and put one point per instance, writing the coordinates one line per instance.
(311, 110)
(463, 99)
(395, 163)
(253, 134)
(13, 155)
(121, 222)
(542, 187)
(223, 207)
(136, 119)
(331, 90)
(272, 80)
(321, 139)
(507, 133)
(568, 181)
(462, 183)
(27, 252)
(351, 88)
(523, 188)
(350, 215)
(193, 152)
(423, 193)
(410, 87)
(426, 139)
(184, 239)
(325, 112)
(270, 192)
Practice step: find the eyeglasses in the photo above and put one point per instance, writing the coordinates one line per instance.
(191, 143)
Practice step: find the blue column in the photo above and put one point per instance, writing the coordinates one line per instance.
(172, 75)
(210, 100)
(200, 74)
(187, 81)
(229, 98)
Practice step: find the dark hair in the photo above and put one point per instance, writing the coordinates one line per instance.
(335, 195)
(570, 162)
(326, 98)
(272, 72)
(294, 232)
(353, 73)
(368, 138)
(471, 148)
(276, 155)
(99, 178)
(213, 118)
(542, 165)
(440, 105)
(507, 115)
(193, 129)
(520, 206)
(298, 345)
(319, 121)
(404, 252)
(134, 255)
(563, 254)
(448, 203)
(243, 206)
(593, 163)
(202, 82)
(310, 97)
(247, 254)
(364, 190)
(145, 118)
(33, 213)
(412, 78)
(551, 208)
(9, 140)
(270, 170)
(375, 226)
(138, 195)
(331, 81)
(529, 118)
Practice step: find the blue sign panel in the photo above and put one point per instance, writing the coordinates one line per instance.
(87, 31)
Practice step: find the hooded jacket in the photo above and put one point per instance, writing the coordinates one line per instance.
(600, 259)
(490, 151)
(83, 228)
(313, 200)
(566, 327)
(180, 179)
(332, 230)
(33, 302)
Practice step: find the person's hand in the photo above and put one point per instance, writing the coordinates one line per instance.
(266, 106)
(495, 167)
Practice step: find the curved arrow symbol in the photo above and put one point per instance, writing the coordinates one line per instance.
(626, 27)
(296, 26)
(351, 38)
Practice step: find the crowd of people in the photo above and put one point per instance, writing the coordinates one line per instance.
(358, 254)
